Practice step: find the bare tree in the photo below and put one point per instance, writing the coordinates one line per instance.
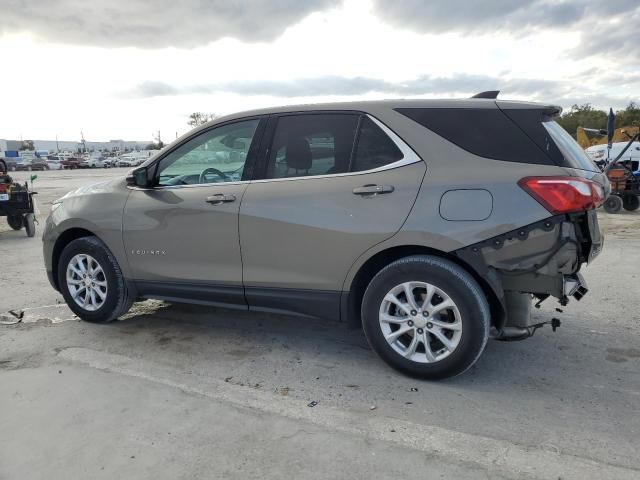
(27, 145)
(199, 118)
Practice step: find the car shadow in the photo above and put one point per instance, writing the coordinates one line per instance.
(230, 336)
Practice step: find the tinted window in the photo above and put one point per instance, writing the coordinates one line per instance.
(215, 156)
(484, 132)
(375, 149)
(312, 144)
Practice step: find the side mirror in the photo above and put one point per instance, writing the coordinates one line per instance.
(139, 178)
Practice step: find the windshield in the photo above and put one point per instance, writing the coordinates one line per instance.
(574, 155)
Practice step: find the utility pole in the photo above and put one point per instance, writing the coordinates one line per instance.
(158, 139)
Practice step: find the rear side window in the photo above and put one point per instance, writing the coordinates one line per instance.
(487, 133)
(312, 144)
(374, 149)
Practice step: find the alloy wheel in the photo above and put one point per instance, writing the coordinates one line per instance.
(86, 282)
(420, 322)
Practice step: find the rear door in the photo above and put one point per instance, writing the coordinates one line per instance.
(332, 186)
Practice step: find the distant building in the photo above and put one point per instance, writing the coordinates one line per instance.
(62, 145)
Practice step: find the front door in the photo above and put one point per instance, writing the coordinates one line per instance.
(181, 236)
(324, 200)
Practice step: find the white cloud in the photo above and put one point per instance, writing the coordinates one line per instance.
(352, 51)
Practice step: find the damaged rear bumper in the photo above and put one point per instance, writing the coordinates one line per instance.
(542, 259)
(574, 286)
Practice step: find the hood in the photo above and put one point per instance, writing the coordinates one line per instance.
(93, 188)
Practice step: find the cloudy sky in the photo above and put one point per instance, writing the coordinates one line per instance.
(127, 68)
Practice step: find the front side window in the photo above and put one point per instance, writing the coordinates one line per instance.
(312, 144)
(215, 156)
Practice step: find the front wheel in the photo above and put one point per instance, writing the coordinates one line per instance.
(30, 224)
(91, 281)
(426, 316)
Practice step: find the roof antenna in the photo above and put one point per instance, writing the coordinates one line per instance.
(488, 94)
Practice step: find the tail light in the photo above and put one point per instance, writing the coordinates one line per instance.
(564, 194)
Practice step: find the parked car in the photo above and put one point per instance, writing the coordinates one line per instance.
(54, 164)
(11, 163)
(71, 163)
(94, 161)
(30, 164)
(125, 162)
(131, 160)
(433, 223)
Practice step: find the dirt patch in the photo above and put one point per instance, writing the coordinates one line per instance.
(621, 224)
(620, 355)
(18, 363)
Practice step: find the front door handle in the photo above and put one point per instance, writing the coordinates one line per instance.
(219, 198)
(373, 189)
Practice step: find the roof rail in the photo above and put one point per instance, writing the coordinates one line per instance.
(488, 94)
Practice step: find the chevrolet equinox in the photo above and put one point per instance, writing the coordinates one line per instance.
(432, 223)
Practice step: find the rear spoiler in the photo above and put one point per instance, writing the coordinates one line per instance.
(547, 110)
(492, 94)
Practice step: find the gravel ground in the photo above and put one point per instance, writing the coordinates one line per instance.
(181, 391)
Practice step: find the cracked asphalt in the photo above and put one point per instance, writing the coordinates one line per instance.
(177, 391)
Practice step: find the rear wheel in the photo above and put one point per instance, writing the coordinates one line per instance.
(30, 224)
(426, 316)
(15, 221)
(631, 202)
(613, 204)
(91, 281)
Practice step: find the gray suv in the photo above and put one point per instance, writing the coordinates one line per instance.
(432, 223)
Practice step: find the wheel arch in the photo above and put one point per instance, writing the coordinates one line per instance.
(351, 299)
(62, 241)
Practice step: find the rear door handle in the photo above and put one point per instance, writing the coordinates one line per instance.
(373, 189)
(219, 198)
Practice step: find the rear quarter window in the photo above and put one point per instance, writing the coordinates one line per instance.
(374, 148)
(487, 133)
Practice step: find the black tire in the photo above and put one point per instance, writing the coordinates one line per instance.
(117, 301)
(462, 289)
(631, 202)
(30, 224)
(613, 204)
(15, 221)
